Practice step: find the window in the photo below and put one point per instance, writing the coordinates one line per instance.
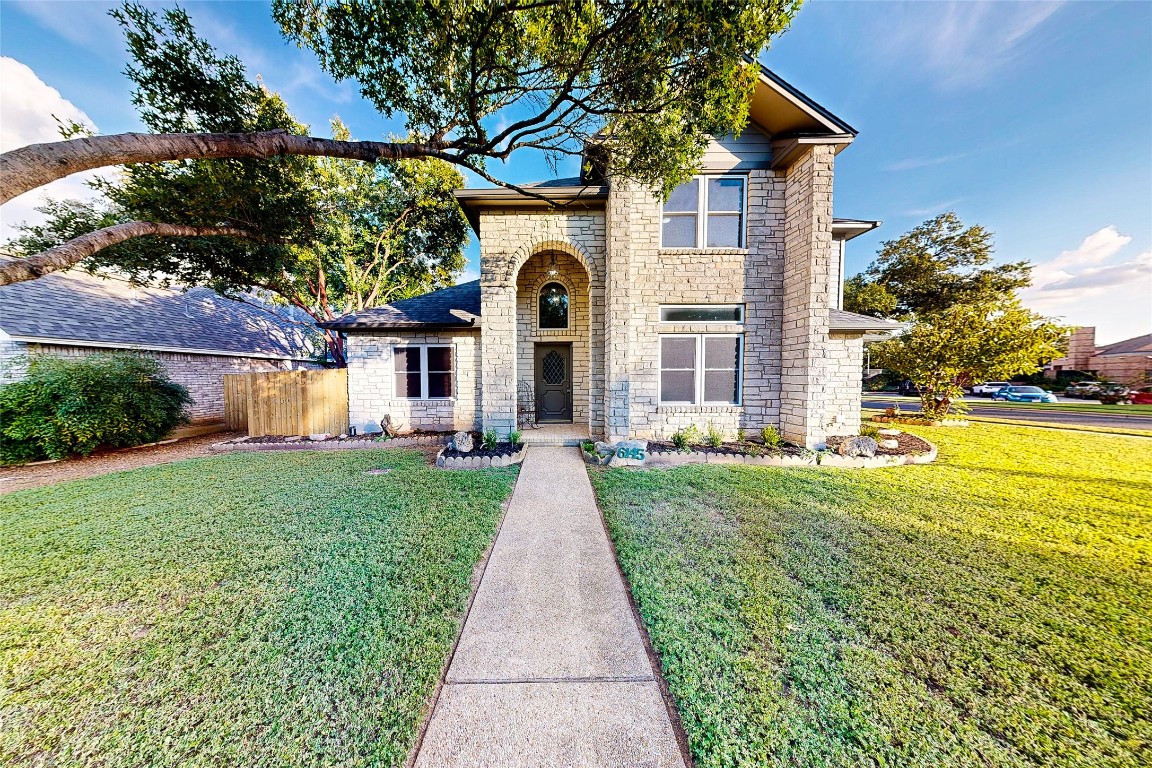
(702, 313)
(706, 209)
(701, 369)
(553, 306)
(423, 372)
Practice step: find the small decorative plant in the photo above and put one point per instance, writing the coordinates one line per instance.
(515, 436)
(741, 436)
(714, 437)
(588, 446)
(869, 430)
(490, 440)
(685, 437)
(770, 436)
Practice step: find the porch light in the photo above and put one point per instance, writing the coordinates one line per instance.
(553, 269)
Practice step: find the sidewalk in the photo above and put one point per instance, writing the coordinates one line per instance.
(550, 669)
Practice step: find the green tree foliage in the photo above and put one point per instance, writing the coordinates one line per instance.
(480, 80)
(936, 265)
(327, 235)
(963, 344)
(74, 406)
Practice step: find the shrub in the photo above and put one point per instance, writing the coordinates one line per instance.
(715, 437)
(490, 439)
(771, 436)
(515, 436)
(869, 430)
(741, 436)
(685, 437)
(68, 406)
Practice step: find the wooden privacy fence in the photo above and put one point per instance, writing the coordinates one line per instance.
(287, 402)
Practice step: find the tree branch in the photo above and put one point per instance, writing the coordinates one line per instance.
(75, 250)
(33, 166)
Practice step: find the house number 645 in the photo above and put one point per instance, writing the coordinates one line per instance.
(630, 452)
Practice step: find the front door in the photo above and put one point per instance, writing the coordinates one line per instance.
(553, 382)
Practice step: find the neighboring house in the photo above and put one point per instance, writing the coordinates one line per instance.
(1126, 362)
(628, 317)
(198, 335)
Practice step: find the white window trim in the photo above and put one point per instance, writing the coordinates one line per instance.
(702, 214)
(743, 311)
(698, 394)
(423, 372)
(548, 279)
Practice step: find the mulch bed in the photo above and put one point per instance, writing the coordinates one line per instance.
(346, 439)
(908, 444)
(480, 452)
(728, 449)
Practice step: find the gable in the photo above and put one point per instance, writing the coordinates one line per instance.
(751, 149)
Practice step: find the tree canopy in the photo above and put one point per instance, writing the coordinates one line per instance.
(475, 81)
(938, 264)
(963, 344)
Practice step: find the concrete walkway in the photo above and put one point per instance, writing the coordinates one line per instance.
(550, 669)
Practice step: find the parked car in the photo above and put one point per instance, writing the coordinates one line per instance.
(908, 389)
(1112, 394)
(1142, 396)
(989, 388)
(1024, 395)
(1082, 389)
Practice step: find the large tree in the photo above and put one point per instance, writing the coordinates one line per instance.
(477, 81)
(322, 234)
(945, 351)
(936, 265)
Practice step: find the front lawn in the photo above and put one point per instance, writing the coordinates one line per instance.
(992, 609)
(279, 609)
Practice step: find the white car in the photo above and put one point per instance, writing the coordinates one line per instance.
(988, 388)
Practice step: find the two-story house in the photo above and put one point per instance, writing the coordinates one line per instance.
(625, 316)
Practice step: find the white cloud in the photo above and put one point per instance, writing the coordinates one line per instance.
(962, 43)
(27, 105)
(1093, 284)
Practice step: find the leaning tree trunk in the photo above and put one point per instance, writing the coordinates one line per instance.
(72, 252)
(35, 165)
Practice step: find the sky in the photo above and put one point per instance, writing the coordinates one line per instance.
(1033, 119)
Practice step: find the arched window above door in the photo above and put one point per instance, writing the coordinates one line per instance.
(553, 306)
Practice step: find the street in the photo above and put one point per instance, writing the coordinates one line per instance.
(983, 407)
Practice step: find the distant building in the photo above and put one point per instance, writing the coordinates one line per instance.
(1127, 362)
(198, 335)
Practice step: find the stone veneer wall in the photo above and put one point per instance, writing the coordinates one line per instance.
(844, 365)
(201, 375)
(808, 253)
(642, 276)
(533, 276)
(371, 384)
(507, 240)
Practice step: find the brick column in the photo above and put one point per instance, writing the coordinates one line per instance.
(618, 310)
(497, 334)
(808, 254)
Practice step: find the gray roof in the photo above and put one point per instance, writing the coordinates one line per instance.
(839, 320)
(447, 308)
(458, 307)
(77, 309)
(1135, 346)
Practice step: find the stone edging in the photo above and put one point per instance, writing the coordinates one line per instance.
(880, 419)
(334, 445)
(479, 462)
(823, 460)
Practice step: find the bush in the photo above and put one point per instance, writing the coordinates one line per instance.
(870, 430)
(66, 407)
(771, 436)
(686, 437)
(715, 437)
(515, 437)
(490, 439)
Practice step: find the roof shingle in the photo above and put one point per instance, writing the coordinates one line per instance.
(455, 307)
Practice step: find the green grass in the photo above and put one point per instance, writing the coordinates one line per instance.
(992, 609)
(1086, 406)
(278, 609)
(868, 413)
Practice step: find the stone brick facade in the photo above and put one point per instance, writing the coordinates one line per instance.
(796, 375)
(201, 375)
(371, 383)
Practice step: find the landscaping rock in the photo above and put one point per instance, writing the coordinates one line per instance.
(858, 446)
(319, 437)
(293, 438)
(462, 442)
(889, 444)
(888, 432)
(629, 453)
(604, 449)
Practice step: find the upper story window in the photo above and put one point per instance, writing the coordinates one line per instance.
(423, 372)
(702, 313)
(553, 306)
(706, 209)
